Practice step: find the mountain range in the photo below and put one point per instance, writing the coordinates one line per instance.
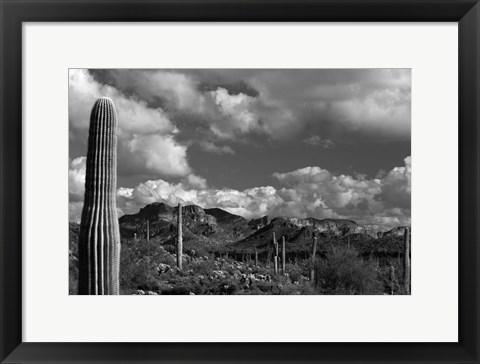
(217, 229)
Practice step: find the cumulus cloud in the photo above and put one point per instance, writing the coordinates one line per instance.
(174, 89)
(162, 113)
(380, 201)
(371, 102)
(135, 115)
(76, 187)
(396, 191)
(305, 192)
(213, 148)
(146, 136)
(160, 154)
(76, 178)
(194, 181)
(238, 115)
(279, 103)
(249, 203)
(315, 140)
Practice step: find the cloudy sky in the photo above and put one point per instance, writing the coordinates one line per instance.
(317, 142)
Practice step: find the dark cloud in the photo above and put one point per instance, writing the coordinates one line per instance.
(255, 140)
(236, 88)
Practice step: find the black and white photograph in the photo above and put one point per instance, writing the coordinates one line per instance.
(240, 181)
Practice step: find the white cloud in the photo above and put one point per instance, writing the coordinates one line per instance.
(383, 111)
(284, 104)
(309, 191)
(384, 201)
(315, 140)
(396, 185)
(176, 89)
(134, 115)
(213, 148)
(76, 187)
(237, 111)
(160, 154)
(146, 141)
(195, 181)
(287, 105)
(76, 178)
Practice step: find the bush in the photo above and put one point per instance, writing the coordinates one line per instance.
(202, 267)
(139, 263)
(346, 273)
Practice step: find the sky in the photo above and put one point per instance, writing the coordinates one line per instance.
(323, 143)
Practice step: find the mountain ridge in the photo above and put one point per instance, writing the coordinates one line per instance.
(217, 228)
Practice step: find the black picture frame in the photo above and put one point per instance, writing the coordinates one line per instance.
(14, 12)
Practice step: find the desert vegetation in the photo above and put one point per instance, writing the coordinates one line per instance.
(345, 266)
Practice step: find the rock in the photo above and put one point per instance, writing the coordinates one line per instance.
(163, 268)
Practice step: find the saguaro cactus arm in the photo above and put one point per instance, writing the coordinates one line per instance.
(99, 239)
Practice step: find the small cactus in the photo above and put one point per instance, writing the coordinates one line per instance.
(147, 234)
(406, 260)
(392, 279)
(275, 257)
(314, 252)
(99, 239)
(179, 237)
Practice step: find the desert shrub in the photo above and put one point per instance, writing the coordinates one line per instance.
(202, 266)
(186, 286)
(263, 287)
(289, 288)
(346, 272)
(226, 286)
(139, 263)
(72, 273)
(295, 275)
(72, 280)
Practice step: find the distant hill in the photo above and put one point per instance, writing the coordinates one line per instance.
(396, 231)
(215, 229)
(208, 228)
(300, 232)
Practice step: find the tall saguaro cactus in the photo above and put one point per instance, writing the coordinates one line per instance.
(314, 252)
(283, 255)
(99, 240)
(275, 256)
(179, 237)
(406, 260)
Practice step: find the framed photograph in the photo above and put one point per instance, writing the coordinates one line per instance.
(239, 181)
